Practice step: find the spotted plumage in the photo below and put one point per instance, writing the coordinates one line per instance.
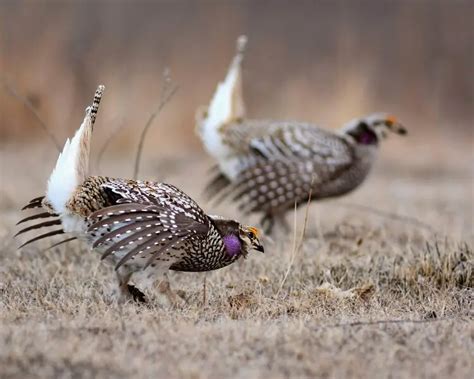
(156, 223)
(135, 225)
(271, 166)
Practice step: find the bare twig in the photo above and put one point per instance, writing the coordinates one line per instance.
(28, 105)
(297, 247)
(168, 89)
(107, 142)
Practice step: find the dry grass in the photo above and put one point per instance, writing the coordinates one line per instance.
(336, 314)
(369, 294)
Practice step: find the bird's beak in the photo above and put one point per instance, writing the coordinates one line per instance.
(259, 247)
(398, 129)
(395, 127)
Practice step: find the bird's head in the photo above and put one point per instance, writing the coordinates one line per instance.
(373, 128)
(238, 239)
(249, 236)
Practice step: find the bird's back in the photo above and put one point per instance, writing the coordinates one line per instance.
(121, 218)
(243, 134)
(282, 162)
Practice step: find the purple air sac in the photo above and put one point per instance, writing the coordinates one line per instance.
(368, 138)
(232, 244)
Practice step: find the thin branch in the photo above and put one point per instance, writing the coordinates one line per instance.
(297, 248)
(106, 144)
(168, 89)
(28, 105)
(389, 215)
(293, 253)
(306, 217)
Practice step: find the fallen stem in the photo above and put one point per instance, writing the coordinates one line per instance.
(389, 215)
(382, 322)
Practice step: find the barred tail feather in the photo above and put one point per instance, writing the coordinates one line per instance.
(72, 165)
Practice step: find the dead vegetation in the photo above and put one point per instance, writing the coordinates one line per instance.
(382, 285)
(366, 295)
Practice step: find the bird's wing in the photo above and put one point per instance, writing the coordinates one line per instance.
(149, 218)
(277, 185)
(161, 194)
(281, 162)
(284, 139)
(135, 228)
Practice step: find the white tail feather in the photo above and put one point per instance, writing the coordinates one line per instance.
(68, 173)
(226, 105)
(72, 166)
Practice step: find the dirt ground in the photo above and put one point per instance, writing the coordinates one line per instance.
(382, 286)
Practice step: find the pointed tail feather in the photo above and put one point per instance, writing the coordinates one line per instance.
(226, 105)
(36, 216)
(70, 171)
(38, 226)
(72, 166)
(60, 243)
(54, 220)
(45, 235)
(96, 102)
(34, 203)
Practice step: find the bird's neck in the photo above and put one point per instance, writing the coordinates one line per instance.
(232, 244)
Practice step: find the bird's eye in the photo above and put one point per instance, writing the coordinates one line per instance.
(250, 235)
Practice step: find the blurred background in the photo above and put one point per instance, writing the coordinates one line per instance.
(319, 61)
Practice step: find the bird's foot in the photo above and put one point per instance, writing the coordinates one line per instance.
(128, 292)
(175, 298)
(137, 295)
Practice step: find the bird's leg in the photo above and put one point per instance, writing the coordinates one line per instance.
(164, 288)
(123, 278)
(137, 295)
(272, 222)
(267, 222)
(128, 291)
